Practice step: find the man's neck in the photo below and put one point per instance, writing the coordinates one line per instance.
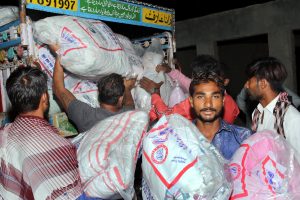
(268, 97)
(111, 108)
(209, 129)
(35, 113)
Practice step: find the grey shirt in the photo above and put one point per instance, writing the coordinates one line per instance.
(85, 117)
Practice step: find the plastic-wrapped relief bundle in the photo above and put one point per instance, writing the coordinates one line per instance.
(108, 153)
(153, 56)
(84, 90)
(8, 14)
(179, 163)
(265, 167)
(88, 48)
(134, 59)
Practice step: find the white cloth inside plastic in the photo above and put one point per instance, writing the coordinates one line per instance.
(151, 58)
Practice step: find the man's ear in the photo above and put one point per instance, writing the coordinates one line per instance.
(191, 101)
(120, 101)
(44, 98)
(44, 102)
(226, 81)
(263, 83)
(223, 100)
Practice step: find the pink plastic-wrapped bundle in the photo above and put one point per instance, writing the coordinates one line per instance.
(265, 167)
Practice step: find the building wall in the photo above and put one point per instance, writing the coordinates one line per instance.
(277, 19)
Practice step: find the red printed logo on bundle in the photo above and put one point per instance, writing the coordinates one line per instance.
(159, 154)
(235, 170)
(70, 41)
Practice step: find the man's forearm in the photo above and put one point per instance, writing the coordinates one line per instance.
(128, 100)
(64, 96)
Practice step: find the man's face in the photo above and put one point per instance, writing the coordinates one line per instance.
(252, 87)
(207, 102)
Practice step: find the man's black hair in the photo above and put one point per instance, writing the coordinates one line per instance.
(25, 87)
(111, 88)
(268, 68)
(206, 76)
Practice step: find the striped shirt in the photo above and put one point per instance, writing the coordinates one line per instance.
(36, 163)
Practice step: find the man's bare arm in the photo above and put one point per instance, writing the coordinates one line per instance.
(64, 96)
(129, 84)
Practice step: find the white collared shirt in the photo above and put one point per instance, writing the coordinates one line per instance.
(291, 123)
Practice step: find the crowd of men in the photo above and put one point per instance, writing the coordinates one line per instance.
(37, 163)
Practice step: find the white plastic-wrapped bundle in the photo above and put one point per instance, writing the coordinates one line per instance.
(134, 60)
(108, 153)
(179, 163)
(88, 48)
(47, 62)
(152, 58)
(265, 167)
(84, 90)
(8, 14)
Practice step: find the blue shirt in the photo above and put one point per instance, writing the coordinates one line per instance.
(229, 138)
(84, 197)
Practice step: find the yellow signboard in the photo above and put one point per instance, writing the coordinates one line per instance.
(71, 5)
(157, 17)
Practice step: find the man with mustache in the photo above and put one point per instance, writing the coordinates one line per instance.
(274, 111)
(203, 61)
(207, 100)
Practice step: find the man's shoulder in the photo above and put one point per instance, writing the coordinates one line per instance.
(236, 128)
(237, 132)
(75, 103)
(292, 113)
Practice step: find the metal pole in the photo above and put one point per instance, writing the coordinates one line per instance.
(23, 26)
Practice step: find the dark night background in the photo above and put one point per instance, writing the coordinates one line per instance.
(183, 10)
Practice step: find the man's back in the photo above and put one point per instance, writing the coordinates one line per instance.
(36, 162)
(85, 116)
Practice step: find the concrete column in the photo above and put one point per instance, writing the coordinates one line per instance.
(282, 46)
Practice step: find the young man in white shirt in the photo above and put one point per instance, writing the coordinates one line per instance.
(274, 111)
